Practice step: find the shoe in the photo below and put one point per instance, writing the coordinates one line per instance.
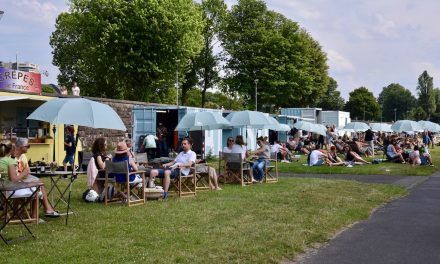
(432, 165)
(41, 221)
(54, 214)
(218, 189)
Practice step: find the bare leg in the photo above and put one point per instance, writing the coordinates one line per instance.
(65, 166)
(214, 179)
(166, 180)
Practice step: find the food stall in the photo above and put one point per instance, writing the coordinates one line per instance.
(20, 95)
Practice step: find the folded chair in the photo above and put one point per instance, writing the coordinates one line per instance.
(271, 169)
(236, 170)
(131, 192)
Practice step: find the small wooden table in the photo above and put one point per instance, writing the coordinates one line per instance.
(8, 204)
(55, 178)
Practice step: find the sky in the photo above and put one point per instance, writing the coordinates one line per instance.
(368, 43)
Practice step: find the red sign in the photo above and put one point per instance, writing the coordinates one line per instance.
(13, 80)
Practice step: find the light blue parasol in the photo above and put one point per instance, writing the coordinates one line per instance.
(202, 121)
(406, 126)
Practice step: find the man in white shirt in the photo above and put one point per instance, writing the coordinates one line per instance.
(75, 89)
(316, 157)
(182, 163)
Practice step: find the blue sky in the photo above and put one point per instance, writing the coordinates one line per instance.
(369, 43)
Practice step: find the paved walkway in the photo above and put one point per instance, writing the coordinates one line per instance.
(406, 230)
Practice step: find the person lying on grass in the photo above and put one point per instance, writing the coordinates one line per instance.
(353, 157)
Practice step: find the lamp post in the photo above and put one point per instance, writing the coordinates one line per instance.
(256, 87)
(1, 14)
(364, 110)
(177, 82)
(395, 115)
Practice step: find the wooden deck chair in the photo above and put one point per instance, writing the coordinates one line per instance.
(202, 176)
(236, 170)
(185, 185)
(271, 169)
(141, 158)
(131, 192)
(22, 201)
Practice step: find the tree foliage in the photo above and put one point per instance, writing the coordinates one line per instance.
(126, 49)
(332, 99)
(216, 100)
(426, 94)
(395, 96)
(206, 64)
(362, 101)
(265, 45)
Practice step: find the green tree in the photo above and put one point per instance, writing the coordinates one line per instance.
(260, 44)
(215, 100)
(425, 90)
(436, 116)
(362, 102)
(332, 99)
(207, 62)
(126, 49)
(395, 96)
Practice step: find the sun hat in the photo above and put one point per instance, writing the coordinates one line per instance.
(121, 148)
(21, 141)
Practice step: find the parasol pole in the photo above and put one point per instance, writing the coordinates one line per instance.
(54, 129)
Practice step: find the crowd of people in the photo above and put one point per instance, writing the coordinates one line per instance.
(328, 150)
(331, 150)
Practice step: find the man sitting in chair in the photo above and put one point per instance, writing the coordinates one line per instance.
(182, 163)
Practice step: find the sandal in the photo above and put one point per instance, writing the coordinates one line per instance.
(54, 214)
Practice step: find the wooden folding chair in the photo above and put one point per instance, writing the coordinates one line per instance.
(202, 176)
(129, 191)
(185, 185)
(271, 169)
(236, 170)
(141, 158)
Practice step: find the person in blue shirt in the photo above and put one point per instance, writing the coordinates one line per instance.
(69, 146)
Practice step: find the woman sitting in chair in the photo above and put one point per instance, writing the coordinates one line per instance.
(10, 167)
(99, 156)
(121, 155)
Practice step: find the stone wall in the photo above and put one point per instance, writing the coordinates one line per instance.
(88, 135)
(124, 110)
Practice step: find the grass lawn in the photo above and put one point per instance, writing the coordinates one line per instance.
(264, 223)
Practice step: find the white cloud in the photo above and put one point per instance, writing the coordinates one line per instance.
(384, 26)
(38, 11)
(338, 62)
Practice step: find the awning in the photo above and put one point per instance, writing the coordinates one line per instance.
(5, 98)
(13, 98)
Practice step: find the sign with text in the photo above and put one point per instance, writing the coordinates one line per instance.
(21, 81)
